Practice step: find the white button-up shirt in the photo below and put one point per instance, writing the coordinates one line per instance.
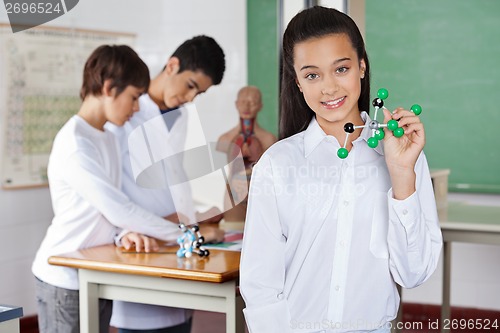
(325, 242)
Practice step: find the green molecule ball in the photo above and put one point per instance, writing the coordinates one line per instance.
(379, 134)
(392, 124)
(342, 153)
(398, 132)
(382, 93)
(372, 142)
(416, 109)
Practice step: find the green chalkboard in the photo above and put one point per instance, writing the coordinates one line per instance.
(263, 57)
(444, 55)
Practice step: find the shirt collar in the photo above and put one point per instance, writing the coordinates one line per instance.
(314, 135)
(366, 133)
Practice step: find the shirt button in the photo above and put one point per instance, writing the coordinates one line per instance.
(405, 211)
(337, 288)
(280, 296)
(346, 203)
(342, 243)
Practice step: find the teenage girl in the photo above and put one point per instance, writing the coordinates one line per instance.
(326, 239)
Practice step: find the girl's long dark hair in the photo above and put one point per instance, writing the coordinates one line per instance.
(313, 23)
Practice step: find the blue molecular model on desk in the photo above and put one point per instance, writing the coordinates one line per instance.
(191, 241)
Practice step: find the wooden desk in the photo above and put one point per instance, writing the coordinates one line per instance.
(158, 278)
(468, 224)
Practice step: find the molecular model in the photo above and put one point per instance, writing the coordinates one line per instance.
(376, 127)
(191, 241)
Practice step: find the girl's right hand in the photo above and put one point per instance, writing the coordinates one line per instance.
(142, 242)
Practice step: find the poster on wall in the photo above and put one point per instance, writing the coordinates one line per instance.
(41, 75)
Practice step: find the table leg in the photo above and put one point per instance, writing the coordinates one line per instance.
(11, 326)
(445, 309)
(235, 323)
(89, 304)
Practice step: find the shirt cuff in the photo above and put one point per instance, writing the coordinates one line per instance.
(118, 238)
(269, 318)
(405, 211)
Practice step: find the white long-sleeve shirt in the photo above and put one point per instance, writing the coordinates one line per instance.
(325, 242)
(84, 173)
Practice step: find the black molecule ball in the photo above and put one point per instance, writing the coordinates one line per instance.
(378, 103)
(349, 128)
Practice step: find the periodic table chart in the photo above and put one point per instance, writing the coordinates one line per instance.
(40, 79)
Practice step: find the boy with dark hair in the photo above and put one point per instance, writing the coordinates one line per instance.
(192, 69)
(202, 53)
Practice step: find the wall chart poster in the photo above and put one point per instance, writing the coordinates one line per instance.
(40, 78)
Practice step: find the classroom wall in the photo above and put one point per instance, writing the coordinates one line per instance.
(160, 27)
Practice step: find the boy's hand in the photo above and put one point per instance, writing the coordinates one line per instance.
(142, 242)
(212, 234)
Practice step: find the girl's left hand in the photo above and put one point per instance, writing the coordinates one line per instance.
(402, 153)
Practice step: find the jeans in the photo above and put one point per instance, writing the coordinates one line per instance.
(59, 310)
(182, 328)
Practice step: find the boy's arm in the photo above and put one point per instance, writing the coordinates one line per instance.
(89, 180)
